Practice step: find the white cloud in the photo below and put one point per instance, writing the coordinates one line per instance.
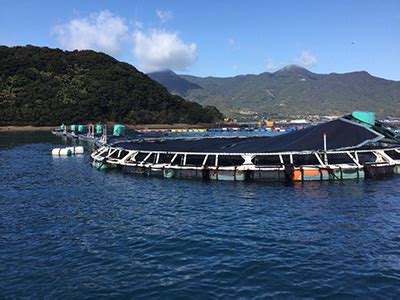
(307, 60)
(101, 31)
(164, 15)
(159, 50)
(154, 49)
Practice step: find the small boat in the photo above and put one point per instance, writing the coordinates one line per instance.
(355, 146)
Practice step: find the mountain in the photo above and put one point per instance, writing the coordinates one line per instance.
(43, 86)
(294, 90)
(174, 83)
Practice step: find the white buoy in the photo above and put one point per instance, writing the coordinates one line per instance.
(61, 152)
(76, 150)
(55, 152)
(68, 151)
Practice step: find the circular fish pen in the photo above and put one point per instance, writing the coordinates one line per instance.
(346, 148)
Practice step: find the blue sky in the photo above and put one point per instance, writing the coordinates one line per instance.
(217, 38)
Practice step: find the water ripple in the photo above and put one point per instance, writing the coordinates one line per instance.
(68, 231)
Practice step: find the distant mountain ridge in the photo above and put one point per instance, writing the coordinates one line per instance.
(173, 82)
(295, 90)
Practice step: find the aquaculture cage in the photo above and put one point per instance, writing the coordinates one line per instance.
(336, 150)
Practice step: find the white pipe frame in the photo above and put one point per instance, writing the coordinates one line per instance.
(130, 159)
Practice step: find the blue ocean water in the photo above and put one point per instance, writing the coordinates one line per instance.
(70, 231)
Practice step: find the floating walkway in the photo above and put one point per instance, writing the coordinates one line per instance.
(96, 134)
(352, 147)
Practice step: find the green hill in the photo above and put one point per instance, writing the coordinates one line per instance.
(294, 90)
(43, 86)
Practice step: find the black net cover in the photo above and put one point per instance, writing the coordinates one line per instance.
(341, 134)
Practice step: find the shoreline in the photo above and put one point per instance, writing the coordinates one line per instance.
(25, 128)
(139, 126)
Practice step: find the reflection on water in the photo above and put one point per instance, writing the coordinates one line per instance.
(69, 231)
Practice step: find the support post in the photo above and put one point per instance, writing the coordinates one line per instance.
(325, 147)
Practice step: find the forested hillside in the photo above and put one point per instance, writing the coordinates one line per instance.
(43, 86)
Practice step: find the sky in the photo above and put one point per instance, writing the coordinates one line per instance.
(217, 38)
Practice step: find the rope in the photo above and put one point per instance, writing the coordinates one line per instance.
(330, 171)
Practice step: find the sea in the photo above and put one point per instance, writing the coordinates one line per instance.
(72, 232)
